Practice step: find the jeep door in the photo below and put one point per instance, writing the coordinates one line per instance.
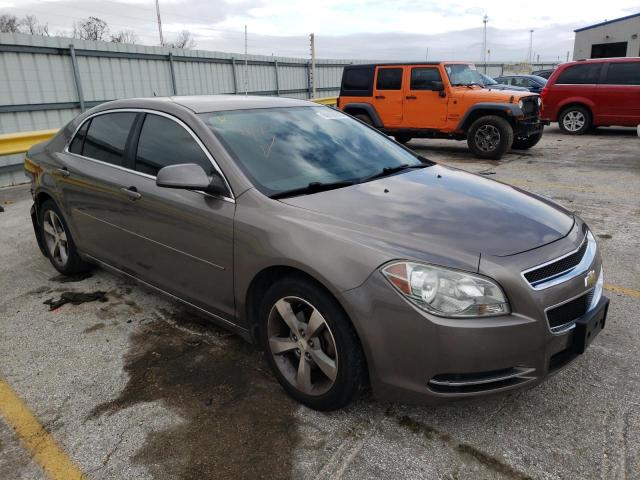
(387, 95)
(424, 106)
(619, 94)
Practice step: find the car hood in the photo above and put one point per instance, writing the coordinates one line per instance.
(442, 208)
(487, 94)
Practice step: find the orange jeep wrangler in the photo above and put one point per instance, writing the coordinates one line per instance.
(441, 100)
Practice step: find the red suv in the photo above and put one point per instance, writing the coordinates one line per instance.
(592, 93)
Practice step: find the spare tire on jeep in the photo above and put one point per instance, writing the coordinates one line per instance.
(490, 136)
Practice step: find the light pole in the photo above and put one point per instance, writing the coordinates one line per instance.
(485, 19)
(530, 47)
(159, 22)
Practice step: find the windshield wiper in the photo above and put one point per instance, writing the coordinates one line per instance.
(313, 187)
(386, 171)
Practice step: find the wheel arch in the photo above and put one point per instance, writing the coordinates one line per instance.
(506, 110)
(577, 102)
(366, 108)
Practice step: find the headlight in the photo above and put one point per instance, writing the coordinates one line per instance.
(521, 104)
(447, 293)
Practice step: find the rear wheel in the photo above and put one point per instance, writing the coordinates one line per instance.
(525, 143)
(402, 138)
(59, 245)
(575, 120)
(490, 137)
(363, 117)
(310, 344)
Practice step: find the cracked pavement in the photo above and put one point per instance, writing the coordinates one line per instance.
(136, 387)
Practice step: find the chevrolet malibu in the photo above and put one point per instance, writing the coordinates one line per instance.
(352, 261)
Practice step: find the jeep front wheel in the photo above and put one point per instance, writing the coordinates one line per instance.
(490, 137)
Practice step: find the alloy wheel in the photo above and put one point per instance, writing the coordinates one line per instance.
(55, 238)
(573, 120)
(302, 345)
(487, 138)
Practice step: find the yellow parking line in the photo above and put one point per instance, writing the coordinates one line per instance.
(43, 448)
(625, 291)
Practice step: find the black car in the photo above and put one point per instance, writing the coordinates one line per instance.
(489, 82)
(543, 73)
(533, 83)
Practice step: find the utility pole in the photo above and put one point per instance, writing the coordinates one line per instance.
(530, 46)
(312, 46)
(485, 19)
(159, 23)
(567, 56)
(426, 57)
(246, 63)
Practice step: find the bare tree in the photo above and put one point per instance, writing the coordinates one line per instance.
(9, 24)
(92, 28)
(125, 36)
(183, 40)
(29, 24)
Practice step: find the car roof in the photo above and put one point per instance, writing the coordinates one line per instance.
(211, 103)
(403, 64)
(600, 60)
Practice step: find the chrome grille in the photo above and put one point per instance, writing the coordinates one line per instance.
(556, 268)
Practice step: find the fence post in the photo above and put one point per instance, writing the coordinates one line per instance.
(76, 76)
(235, 77)
(309, 86)
(173, 74)
(275, 64)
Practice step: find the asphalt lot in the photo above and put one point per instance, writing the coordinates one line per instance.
(135, 387)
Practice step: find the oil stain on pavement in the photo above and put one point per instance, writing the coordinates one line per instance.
(237, 420)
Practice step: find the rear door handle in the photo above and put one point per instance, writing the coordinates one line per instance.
(63, 172)
(410, 97)
(380, 97)
(132, 193)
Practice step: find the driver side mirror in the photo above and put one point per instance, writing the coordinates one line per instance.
(438, 87)
(189, 176)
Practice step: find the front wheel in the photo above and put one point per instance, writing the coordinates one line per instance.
(525, 143)
(310, 344)
(490, 137)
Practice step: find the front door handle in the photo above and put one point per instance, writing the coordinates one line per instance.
(63, 172)
(410, 97)
(132, 193)
(380, 97)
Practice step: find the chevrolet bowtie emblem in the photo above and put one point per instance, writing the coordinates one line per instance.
(590, 279)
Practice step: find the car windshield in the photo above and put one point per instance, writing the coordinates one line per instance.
(463, 74)
(540, 80)
(284, 149)
(487, 80)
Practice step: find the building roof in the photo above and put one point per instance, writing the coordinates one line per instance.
(608, 22)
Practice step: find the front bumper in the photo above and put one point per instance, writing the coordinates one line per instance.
(415, 357)
(527, 128)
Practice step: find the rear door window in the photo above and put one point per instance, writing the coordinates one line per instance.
(164, 142)
(107, 137)
(389, 79)
(580, 74)
(423, 78)
(624, 73)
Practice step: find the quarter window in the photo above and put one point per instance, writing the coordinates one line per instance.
(357, 79)
(78, 141)
(423, 78)
(107, 137)
(163, 142)
(623, 73)
(389, 79)
(580, 74)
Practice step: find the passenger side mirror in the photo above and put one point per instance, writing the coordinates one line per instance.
(189, 176)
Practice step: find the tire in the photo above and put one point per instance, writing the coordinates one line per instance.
(363, 117)
(334, 344)
(58, 243)
(526, 143)
(490, 137)
(402, 138)
(575, 120)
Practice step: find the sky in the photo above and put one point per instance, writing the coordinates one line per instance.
(347, 29)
